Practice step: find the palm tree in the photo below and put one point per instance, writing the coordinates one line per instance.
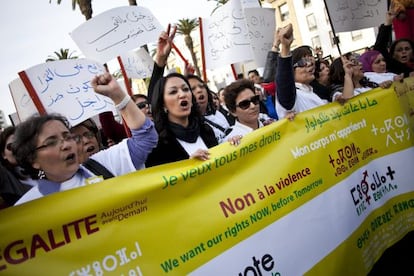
(219, 3)
(85, 7)
(185, 27)
(62, 54)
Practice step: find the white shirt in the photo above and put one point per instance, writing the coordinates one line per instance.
(380, 77)
(357, 91)
(240, 129)
(305, 99)
(220, 120)
(116, 159)
(190, 148)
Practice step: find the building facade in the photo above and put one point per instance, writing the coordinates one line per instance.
(311, 25)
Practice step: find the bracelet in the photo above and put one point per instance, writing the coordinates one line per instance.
(123, 103)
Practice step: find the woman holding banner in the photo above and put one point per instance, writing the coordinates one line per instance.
(374, 66)
(243, 103)
(47, 149)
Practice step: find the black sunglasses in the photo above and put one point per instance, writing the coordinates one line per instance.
(142, 105)
(245, 104)
(303, 62)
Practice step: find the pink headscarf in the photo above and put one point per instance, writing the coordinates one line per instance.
(367, 59)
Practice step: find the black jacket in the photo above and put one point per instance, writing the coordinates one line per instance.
(169, 149)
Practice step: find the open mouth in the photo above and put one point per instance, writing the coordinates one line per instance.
(404, 58)
(201, 97)
(184, 103)
(70, 157)
(90, 149)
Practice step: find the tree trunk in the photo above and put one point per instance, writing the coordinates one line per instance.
(85, 7)
(189, 43)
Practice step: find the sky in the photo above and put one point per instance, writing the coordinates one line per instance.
(32, 30)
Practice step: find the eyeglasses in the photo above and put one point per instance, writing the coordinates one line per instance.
(87, 134)
(9, 146)
(245, 104)
(355, 62)
(55, 141)
(142, 105)
(303, 62)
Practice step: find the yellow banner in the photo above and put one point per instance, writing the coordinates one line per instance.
(326, 193)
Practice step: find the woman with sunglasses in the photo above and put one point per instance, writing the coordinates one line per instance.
(46, 148)
(142, 102)
(294, 91)
(243, 103)
(182, 130)
(13, 182)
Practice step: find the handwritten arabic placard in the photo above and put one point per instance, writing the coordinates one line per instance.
(24, 104)
(250, 4)
(115, 32)
(138, 64)
(226, 36)
(261, 24)
(64, 87)
(351, 15)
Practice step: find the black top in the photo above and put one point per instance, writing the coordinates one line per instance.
(170, 150)
(381, 45)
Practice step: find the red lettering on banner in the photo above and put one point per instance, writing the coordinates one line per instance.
(19, 251)
(237, 204)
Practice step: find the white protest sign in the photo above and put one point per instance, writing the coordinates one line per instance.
(226, 36)
(116, 31)
(261, 24)
(14, 118)
(138, 64)
(351, 15)
(24, 104)
(64, 87)
(250, 4)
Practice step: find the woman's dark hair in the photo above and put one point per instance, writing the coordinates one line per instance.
(318, 64)
(301, 52)
(4, 135)
(25, 138)
(337, 72)
(210, 104)
(159, 115)
(139, 96)
(234, 89)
